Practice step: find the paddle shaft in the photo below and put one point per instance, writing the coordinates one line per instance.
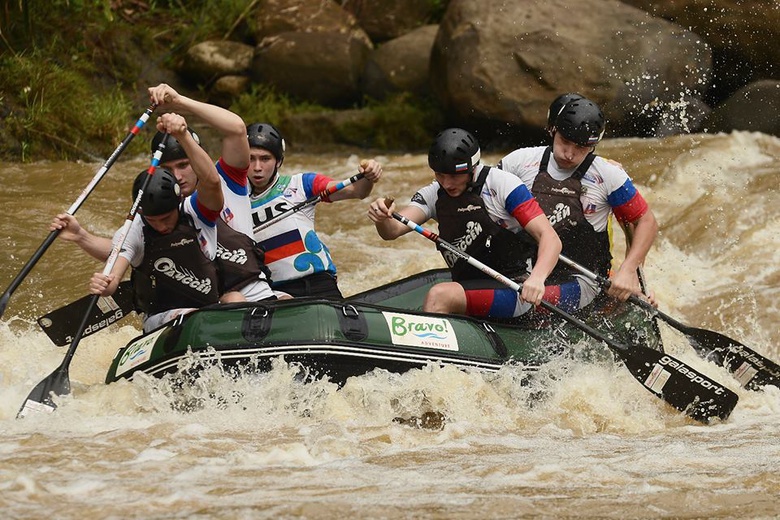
(664, 376)
(58, 382)
(74, 207)
(311, 200)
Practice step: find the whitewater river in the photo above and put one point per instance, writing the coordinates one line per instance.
(599, 445)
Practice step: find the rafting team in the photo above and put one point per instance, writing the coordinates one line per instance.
(239, 230)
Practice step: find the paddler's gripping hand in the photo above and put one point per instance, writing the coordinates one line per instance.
(100, 283)
(163, 95)
(371, 169)
(381, 209)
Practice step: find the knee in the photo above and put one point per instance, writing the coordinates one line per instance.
(232, 297)
(447, 297)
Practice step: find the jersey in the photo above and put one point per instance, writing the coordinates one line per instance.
(292, 247)
(606, 187)
(507, 200)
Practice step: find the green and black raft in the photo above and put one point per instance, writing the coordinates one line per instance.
(382, 328)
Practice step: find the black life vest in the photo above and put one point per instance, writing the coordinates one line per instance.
(240, 259)
(561, 202)
(465, 223)
(174, 272)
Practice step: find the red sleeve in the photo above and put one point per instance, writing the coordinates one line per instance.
(631, 210)
(527, 211)
(237, 175)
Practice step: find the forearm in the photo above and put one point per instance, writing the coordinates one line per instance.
(390, 229)
(642, 235)
(546, 256)
(95, 246)
(359, 190)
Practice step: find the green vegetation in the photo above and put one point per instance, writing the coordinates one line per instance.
(73, 77)
(56, 108)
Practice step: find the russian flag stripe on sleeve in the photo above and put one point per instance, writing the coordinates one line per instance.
(522, 205)
(314, 183)
(235, 178)
(207, 216)
(627, 203)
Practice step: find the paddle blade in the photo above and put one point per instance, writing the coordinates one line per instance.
(40, 399)
(681, 386)
(750, 368)
(61, 324)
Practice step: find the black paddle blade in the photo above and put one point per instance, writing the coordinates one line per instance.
(40, 399)
(681, 386)
(751, 369)
(61, 324)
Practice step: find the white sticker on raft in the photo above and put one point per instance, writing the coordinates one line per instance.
(421, 331)
(137, 352)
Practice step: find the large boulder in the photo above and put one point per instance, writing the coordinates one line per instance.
(209, 60)
(743, 36)
(400, 65)
(755, 107)
(385, 20)
(312, 50)
(505, 61)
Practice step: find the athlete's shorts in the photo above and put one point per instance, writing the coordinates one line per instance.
(492, 299)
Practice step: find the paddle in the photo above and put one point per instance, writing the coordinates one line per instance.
(74, 207)
(750, 369)
(58, 382)
(60, 324)
(312, 200)
(693, 393)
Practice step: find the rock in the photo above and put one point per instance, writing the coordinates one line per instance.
(310, 49)
(755, 107)
(400, 65)
(505, 61)
(323, 67)
(386, 20)
(739, 33)
(209, 60)
(226, 89)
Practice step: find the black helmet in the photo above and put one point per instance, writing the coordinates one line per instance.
(454, 150)
(581, 122)
(557, 105)
(173, 150)
(161, 194)
(264, 135)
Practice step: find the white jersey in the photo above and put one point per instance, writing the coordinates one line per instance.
(606, 187)
(292, 248)
(508, 202)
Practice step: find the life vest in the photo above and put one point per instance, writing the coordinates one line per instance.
(240, 259)
(465, 223)
(561, 202)
(174, 272)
